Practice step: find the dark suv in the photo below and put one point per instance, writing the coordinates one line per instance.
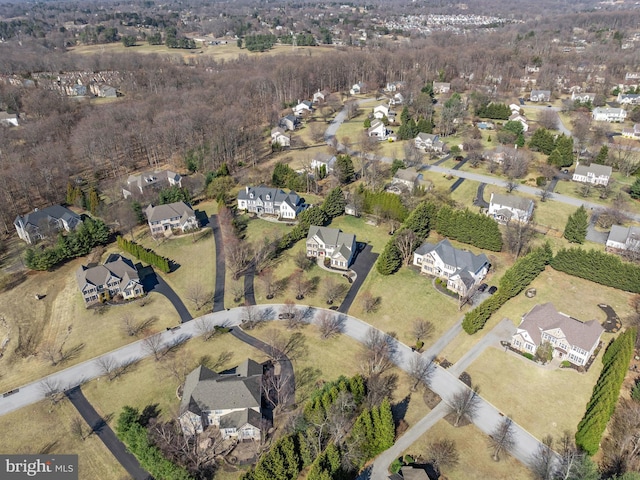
(482, 287)
(493, 290)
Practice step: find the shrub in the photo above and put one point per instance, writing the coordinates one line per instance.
(565, 364)
(395, 466)
(144, 254)
(528, 355)
(541, 181)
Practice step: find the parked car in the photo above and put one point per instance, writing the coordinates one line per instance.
(493, 290)
(482, 287)
(286, 316)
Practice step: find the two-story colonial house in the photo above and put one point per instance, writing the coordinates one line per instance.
(572, 340)
(230, 401)
(540, 96)
(609, 114)
(117, 276)
(164, 219)
(429, 142)
(462, 269)
(331, 243)
(595, 174)
(506, 208)
(270, 201)
(46, 222)
(148, 180)
(622, 239)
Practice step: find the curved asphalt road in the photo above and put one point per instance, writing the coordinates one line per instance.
(442, 382)
(106, 434)
(218, 294)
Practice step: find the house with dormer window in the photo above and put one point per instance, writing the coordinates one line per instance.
(594, 174)
(117, 276)
(270, 201)
(331, 243)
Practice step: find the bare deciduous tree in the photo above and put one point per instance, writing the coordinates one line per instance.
(548, 119)
(465, 403)
(77, 428)
(300, 284)
(277, 388)
(544, 194)
(250, 317)
(518, 236)
(333, 290)
(52, 390)
(237, 256)
(420, 370)
(502, 438)
(376, 356)
(330, 324)
(152, 345)
(207, 330)
(369, 302)
(198, 296)
(406, 241)
(442, 454)
(108, 366)
(293, 347)
(511, 186)
(237, 289)
(543, 461)
(622, 447)
(133, 328)
(422, 329)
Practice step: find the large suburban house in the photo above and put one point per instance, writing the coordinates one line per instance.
(325, 160)
(270, 201)
(164, 219)
(230, 401)
(623, 238)
(117, 276)
(506, 208)
(410, 178)
(378, 129)
(462, 269)
(595, 174)
(429, 142)
(609, 114)
(42, 223)
(628, 99)
(572, 340)
(540, 95)
(331, 243)
(148, 180)
(583, 97)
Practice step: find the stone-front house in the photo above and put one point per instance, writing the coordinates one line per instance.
(42, 223)
(594, 174)
(148, 180)
(506, 208)
(331, 243)
(608, 114)
(164, 219)
(462, 269)
(540, 95)
(572, 340)
(270, 201)
(117, 276)
(622, 239)
(229, 401)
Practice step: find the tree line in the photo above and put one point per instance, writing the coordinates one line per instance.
(143, 254)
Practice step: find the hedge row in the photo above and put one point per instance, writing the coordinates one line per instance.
(599, 267)
(468, 227)
(144, 254)
(514, 281)
(606, 391)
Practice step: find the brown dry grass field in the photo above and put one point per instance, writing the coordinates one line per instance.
(23, 433)
(61, 315)
(475, 457)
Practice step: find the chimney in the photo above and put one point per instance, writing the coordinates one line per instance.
(246, 189)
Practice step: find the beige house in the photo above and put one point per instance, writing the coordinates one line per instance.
(594, 174)
(117, 276)
(572, 340)
(46, 222)
(164, 219)
(331, 243)
(230, 401)
(139, 183)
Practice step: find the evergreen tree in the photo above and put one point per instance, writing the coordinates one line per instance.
(367, 123)
(555, 158)
(603, 155)
(424, 126)
(344, 169)
(421, 220)
(542, 141)
(576, 229)
(389, 260)
(564, 145)
(334, 203)
(514, 127)
(634, 190)
(405, 116)
(396, 165)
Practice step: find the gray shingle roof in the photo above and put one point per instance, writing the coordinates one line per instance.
(116, 265)
(463, 260)
(242, 417)
(56, 212)
(594, 168)
(275, 195)
(545, 317)
(512, 201)
(620, 234)
(169, 210)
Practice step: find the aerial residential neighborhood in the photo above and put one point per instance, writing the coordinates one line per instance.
(320, 241)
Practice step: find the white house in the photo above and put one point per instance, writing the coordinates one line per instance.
(540, 95)
(325, 160)
(397, 99)
(594, 174)
(163, 219)
(270, 201)
(381, 111)
(628, 99)
(571, 339)
(583, 97)
(321, 96)
(230, 401)
(142, 182)
(394, 86)
(358, 88)
(331, 243)
(279, 137)
(462, 269)
(623, 238)
(514, 108)
(441, 87)
(609, 114)
(429, 142)
(8, 119)
(632, 132)
(117, 276)
(506, 208)
(378, 130)
(516, 117)
(42, 223)
(303, 107)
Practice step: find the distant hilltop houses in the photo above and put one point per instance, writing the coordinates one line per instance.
(102, 84)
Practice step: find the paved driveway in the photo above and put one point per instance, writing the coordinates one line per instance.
(218, 294)
(362, 266)
(163, 288)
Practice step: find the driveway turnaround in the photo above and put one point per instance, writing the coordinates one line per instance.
(362, 266)
(163, 288)
(108, 437)
(218, 294)
(442, 382)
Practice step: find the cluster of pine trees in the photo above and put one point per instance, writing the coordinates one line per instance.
(374, 430)
(606, 391)
(599, 267)
(468, 227)
(77, 196)
(558, 148)
(144, 254)
(174, 194)
(132, 432)
(409, 128)
(577, 226)
(514, 281)
(259, 42)
(495, 111)
(383, 204)
(79, 242)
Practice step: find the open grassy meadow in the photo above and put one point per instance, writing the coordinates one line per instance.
(475, 457)
(23, 433)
